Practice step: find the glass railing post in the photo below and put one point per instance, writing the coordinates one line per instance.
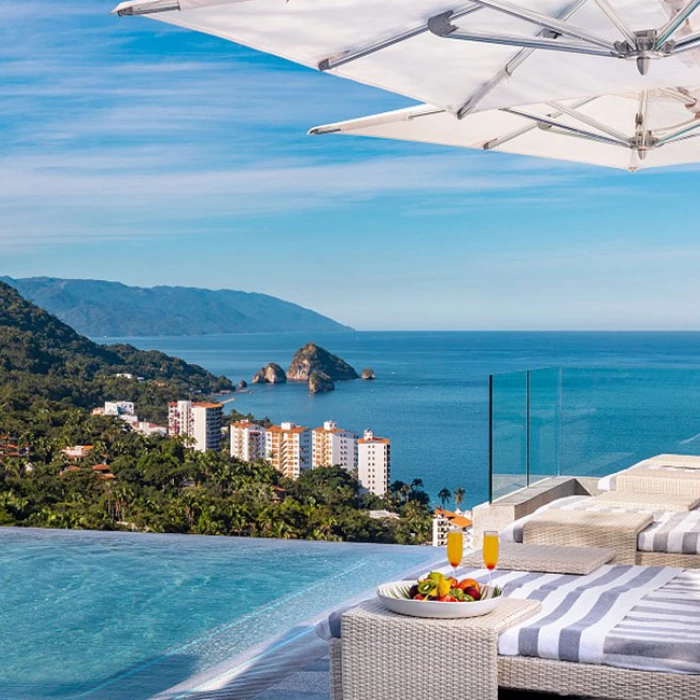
(491, 472)
(559, 418)
(527, 428)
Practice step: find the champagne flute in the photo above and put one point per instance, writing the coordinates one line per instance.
(455, 549)
(490, 551)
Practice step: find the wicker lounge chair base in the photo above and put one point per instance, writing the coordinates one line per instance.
(594, 681)
(560, 678)
(617, 531)
(679, 561)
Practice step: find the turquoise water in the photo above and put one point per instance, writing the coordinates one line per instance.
(113, 616)
(431, 392)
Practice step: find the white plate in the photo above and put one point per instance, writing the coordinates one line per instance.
(433, 608)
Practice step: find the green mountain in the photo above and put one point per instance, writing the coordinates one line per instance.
(97, 309)
(42, 356)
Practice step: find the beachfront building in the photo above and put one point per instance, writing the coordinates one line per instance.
(288, 448)
(374, 463)
(78, 451)
(119, 408)
(332, 446)
(201, 422)
(148, 429)
(247, 441)
(444, 521)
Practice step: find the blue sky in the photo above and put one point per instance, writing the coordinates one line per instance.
(141, 153)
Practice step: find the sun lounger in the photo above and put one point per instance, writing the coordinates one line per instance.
(645, 476)
(628, 633)
(661, 480)
(670, 460)
(671, 539)
(652, 502)
(613, 530)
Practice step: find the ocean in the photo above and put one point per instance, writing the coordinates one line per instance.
(430, 396)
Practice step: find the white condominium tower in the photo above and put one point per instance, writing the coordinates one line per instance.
(199, 421)
(374, 463)
(334, 447)
(247, 441)
(288, 448)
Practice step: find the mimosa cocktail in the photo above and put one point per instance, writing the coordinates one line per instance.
(490, 551)
(455, 549)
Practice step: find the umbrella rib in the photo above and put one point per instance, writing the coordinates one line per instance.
(565, 127)
(670, 28)
(677, 135)
(590, 121)
(676, 94)
(347, 57)
(692, 41)
(547, 22)
(148, 8)
(495, 143)
(530, 42)
(376, 120)
(513, 64)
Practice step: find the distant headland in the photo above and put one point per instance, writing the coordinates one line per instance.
(98, 309)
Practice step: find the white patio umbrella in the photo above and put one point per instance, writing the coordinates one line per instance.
(463, 55)
(632, 131)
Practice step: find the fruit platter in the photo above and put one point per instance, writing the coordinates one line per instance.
(439, 596)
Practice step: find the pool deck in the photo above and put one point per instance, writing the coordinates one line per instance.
(265, 679)
(313, 681)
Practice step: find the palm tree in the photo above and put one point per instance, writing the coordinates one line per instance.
(444, 495)
(459, 496)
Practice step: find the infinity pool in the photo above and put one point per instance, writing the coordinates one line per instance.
(113, 616)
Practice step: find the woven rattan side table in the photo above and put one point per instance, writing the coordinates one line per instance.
(386, 656)
(547, 559)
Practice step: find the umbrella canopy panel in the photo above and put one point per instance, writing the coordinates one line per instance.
(463, 56)
(630, 131)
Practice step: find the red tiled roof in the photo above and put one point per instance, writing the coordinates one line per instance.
(279, 429)
(458, 520)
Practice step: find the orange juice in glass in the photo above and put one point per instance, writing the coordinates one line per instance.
(455, 549)
(490, 551)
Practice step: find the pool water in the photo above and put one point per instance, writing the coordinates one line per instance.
(115, 616)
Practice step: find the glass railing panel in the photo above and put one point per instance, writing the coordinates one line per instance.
(544, 424)
(613, 418)
(508, 433)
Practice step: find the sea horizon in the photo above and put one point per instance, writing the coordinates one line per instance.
(431, 393)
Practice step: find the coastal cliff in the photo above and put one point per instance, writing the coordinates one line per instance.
(313, 358)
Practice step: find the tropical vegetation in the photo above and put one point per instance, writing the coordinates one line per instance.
(51, 378)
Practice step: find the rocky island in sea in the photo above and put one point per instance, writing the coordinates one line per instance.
(313, 358)
(312, 364)
(272, 373)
